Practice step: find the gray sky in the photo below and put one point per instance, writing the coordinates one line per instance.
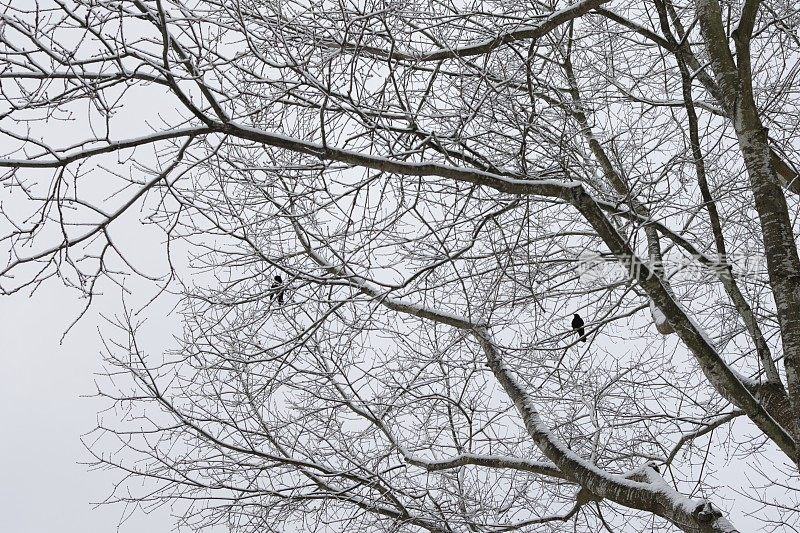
(43, 488)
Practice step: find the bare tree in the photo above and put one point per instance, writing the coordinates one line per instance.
(439, 186)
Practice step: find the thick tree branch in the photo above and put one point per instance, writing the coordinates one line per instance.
(783, 263)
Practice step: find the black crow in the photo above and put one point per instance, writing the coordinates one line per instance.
(577, 325)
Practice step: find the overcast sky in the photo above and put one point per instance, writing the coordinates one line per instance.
(43, 486)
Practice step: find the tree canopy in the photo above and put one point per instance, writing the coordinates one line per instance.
(440, 187)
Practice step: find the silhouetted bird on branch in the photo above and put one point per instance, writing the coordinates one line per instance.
(577, 325)
(277, 289)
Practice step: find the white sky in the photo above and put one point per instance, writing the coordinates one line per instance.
(43, 486)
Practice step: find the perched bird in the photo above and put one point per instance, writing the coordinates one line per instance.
(277, 289)
(577, 325)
